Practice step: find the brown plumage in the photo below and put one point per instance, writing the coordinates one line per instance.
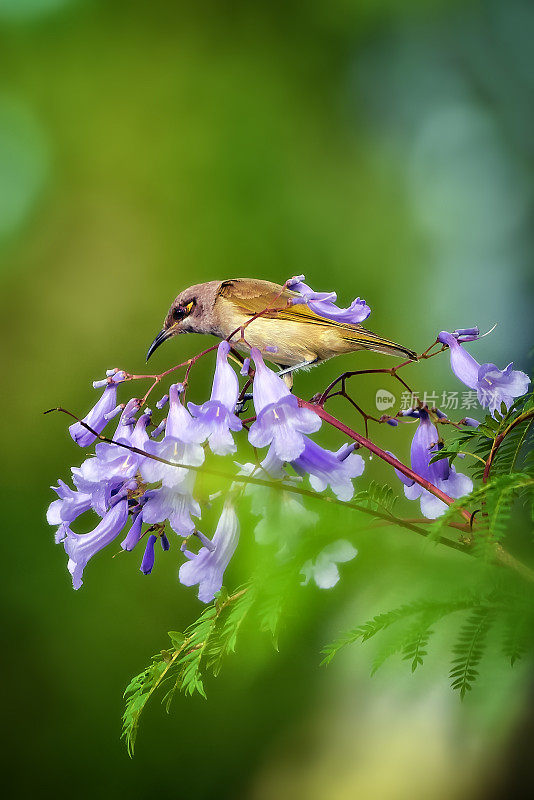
(300, 336)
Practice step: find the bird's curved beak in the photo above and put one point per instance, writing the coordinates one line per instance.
(160, 338)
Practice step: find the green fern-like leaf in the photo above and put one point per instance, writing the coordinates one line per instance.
(432, 610)
(378, 496)
(465, 442)
(415, 645)
(226, 642)
(469, 649)
(512, 453)
(393, 646)
(276, 588)
(517, 634)
(203, 644)
(197, 638)
(138, 693)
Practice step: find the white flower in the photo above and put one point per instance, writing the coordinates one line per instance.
(324, 569)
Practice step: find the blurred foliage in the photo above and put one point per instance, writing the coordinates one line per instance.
(384, 150)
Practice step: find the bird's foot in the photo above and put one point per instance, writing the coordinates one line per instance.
(241, 405)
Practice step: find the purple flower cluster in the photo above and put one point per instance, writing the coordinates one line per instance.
(140, 486)
(142, 492)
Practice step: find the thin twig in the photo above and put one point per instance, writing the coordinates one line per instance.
(499, 439)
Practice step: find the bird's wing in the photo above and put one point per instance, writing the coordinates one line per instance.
(253, 296)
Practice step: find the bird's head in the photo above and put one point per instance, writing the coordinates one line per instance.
(190, 312)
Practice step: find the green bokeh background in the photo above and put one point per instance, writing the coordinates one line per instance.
(385, 151)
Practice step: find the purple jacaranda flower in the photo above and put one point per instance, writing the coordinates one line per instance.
(134, 534)
(81, 547)
(103, 475)
(176, 505)
(69, 505)
(126, 423)
(492, 385)
(112, 462)
(214, 419)
(323, 570)
(180, 445)
(440, 473)
(148, 558)
(158, 430)
(470, 422)
(96, 418)
(207, 566)
(327, 468)
(99, 477)
(280, 422)
(162, 402)
(323, 303)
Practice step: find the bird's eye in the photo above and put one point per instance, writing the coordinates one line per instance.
(180, 312)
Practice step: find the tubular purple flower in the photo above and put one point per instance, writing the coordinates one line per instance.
(148, 558)
(139, 437)
(179, 445)
(126, 423)
(492, 385)
(176, 506)
(101, 491)
(81, 547)
(208, 565)
(102, 476)
(327, 468)
(215, 418)
(472, 423)
(115, 412)
(178, 419)
(162, 402)
(323, 303)
(268, 387)
(69, 505)
(466, 334)
(112, 463)
(280, 421)
(134, 534)
(96, 418)
(424, 447)
(159, 429)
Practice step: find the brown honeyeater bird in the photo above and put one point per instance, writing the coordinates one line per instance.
(301, 337)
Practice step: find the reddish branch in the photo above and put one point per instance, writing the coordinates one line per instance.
(373, 448)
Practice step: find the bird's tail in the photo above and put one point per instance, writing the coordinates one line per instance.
(367, 340)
